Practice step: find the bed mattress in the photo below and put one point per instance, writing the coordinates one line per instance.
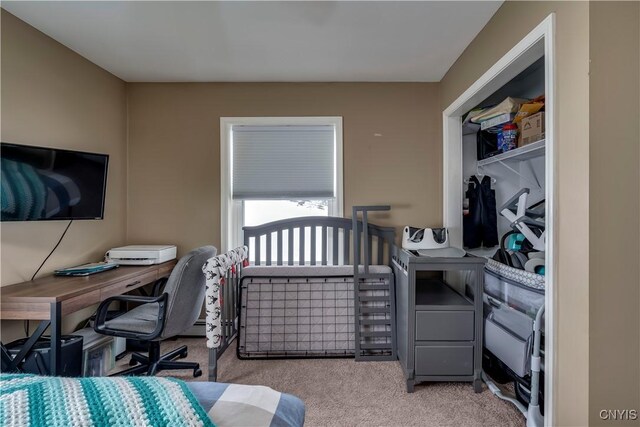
(309, 270)
(308, 311)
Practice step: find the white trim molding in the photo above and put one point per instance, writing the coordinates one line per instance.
(230, 212)
(538, 43)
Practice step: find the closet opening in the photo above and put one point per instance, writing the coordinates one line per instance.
(506, 168)
(499, 199)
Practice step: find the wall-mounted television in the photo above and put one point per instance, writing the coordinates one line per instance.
(40, 184)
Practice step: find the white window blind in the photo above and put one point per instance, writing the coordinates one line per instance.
(283, 162)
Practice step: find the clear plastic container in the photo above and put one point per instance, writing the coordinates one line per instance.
(98, 355)
(508, 137)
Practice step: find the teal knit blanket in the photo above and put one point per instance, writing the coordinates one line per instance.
(29, 400)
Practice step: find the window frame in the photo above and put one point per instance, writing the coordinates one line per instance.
(231, 211)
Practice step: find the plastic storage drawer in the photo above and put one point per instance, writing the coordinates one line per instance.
(98, 356)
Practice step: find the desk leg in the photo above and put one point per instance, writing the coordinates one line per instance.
(6, 359)
(55, 361)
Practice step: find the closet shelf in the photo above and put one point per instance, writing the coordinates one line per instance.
(529, 151)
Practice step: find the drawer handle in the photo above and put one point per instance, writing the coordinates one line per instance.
(132, 284)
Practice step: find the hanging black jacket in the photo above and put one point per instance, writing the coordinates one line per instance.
(480, 225)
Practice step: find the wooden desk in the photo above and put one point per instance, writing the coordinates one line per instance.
(51, 297)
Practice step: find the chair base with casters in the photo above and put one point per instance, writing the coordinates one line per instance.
(155, 362)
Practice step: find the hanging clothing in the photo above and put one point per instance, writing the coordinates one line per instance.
(480, 225)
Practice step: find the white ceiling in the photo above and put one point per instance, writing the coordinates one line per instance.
(263, 41)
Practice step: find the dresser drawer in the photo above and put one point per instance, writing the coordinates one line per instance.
(124, 286)
(444, 326)
(444, 359)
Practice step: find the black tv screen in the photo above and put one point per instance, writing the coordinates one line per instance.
(41, 184)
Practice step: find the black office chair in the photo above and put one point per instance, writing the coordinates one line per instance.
(161, 316)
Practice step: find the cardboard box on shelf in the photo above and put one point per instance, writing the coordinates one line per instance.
(528, 109)
(531, 129)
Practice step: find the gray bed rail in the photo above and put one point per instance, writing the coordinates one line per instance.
(229, 312)
(334, 233)
(365, 316)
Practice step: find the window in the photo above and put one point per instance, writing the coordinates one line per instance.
(276, 168)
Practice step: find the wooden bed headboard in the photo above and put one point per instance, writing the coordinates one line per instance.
(285, 240)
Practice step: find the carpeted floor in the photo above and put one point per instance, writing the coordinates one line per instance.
(341, 392)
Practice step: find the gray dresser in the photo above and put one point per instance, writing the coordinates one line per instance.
(439, 330)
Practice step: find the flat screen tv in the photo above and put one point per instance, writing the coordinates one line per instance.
(40, 184)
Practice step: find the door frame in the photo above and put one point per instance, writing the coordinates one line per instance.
(540, 41)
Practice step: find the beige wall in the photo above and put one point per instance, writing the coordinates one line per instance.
(614, 188)
(51, 96)
(508, 26)
(54, 97)
(174, 150)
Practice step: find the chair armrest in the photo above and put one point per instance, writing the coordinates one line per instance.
(158, 286)
(101, 316)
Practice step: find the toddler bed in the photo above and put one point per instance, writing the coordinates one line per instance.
(318, 287)
(332, 297)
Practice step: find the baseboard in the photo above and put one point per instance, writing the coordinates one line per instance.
(197, 330)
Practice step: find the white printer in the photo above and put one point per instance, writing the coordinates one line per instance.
(142, 254)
